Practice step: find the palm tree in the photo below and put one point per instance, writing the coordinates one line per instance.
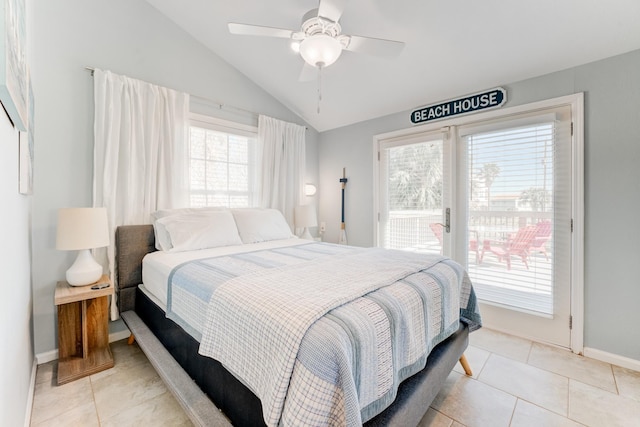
(415, 180)
(536, 197)
(488, 174)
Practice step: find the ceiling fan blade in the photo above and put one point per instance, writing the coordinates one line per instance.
(331, 9)
(308, 73)
(372, 46)
(257, 30)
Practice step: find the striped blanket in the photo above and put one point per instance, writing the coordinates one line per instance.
(321, 333)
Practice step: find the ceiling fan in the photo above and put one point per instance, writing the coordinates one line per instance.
(320, 40)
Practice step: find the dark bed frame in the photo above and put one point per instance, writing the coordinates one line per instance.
(236, 401)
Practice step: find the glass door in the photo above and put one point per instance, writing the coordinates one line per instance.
(517, 181)
(496, 195)
(414, 193)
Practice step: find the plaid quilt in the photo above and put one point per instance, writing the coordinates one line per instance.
(321, 333)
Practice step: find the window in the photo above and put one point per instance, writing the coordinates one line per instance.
(222, 163)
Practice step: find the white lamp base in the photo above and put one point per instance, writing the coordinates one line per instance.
(306, 235)
(85, 270)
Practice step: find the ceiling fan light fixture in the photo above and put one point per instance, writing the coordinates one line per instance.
(295, 46)
(320, 50)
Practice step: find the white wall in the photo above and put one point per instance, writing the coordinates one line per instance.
(127, 37)
(612, 187)
(16, 336)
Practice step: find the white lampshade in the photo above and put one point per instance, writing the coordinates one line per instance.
(82, 229)
(305, 217)
(320, 50)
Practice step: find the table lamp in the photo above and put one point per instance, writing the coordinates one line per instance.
(305, 217)
(82, 229)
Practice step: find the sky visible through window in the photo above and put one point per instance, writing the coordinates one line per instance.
(524, 157)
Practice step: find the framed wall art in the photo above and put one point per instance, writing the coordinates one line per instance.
(13, 62)
(26, 151)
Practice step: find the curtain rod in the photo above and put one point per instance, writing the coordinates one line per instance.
(220, 105)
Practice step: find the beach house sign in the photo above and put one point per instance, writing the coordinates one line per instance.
(486, 100)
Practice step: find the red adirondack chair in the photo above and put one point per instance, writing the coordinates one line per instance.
(520, 246)
(438, 229)
(543, 234)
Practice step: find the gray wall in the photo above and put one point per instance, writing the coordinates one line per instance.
(612, 187)
(130, 37)
(16, 326)
(16, 336)
(127, 37)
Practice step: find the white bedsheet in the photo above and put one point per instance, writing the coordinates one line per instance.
(157, 266)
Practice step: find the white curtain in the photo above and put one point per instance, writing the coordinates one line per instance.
(282, 148)
(140, 153)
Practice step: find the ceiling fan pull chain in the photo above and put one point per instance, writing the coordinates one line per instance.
(319, 85)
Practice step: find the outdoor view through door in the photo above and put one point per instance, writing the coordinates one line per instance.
(519, 207)
(413, 195)
(511, 210)
(511, 206)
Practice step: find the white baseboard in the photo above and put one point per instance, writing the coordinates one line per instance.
(48, 356)
(614, 359)
(32, 391)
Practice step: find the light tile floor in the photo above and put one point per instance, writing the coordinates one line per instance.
(515, 383)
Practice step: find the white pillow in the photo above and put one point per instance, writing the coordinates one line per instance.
(207, 229)
(163, 241)
(261, 225)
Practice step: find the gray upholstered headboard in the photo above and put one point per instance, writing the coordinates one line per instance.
(133, 242)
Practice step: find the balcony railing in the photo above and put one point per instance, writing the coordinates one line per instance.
(494, 281)
(410, 229)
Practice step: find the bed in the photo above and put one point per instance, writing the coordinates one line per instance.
(162, 295)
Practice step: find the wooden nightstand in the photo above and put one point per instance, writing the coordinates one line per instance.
(83, 330)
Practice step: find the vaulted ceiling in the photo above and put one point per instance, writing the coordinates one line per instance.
(452, 48)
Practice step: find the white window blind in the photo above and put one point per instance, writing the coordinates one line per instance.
(519, 209)
(222, 166)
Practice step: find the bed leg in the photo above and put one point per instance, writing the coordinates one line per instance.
(132, 338)
(465, 365)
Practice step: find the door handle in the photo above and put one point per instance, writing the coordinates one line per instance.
(447, 220)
